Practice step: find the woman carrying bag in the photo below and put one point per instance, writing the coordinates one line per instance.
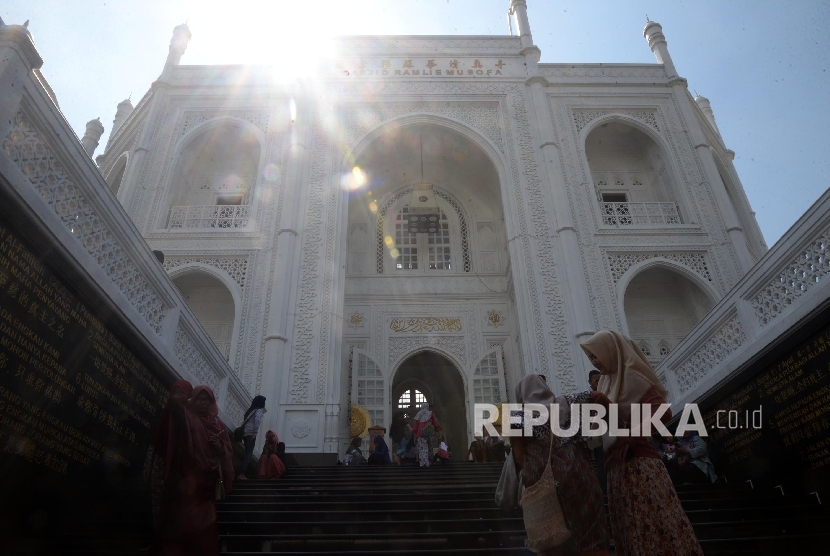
(250, 428)
(562, 502)
(646, 514)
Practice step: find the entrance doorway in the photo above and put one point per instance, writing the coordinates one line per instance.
(432, 377)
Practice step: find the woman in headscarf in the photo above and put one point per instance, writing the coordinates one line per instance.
(186, 523)
(396, 433)
(577, 485)
(426, 425)
(270, 464)
(646, 516)
(353, 455)
(164, 441)
(380, 456)
(251, 422)
(406, 449)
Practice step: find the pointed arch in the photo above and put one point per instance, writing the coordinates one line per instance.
(233, 289)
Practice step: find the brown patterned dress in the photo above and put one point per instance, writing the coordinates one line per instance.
(577, 486)
(646, 516)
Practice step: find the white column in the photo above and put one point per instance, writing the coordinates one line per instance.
(734, 230)
(283, 280)
(518, 9)
(94, 130)
(653, 32)
(706, 107)
(122, 112)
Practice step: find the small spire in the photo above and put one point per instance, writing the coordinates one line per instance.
(647, 19)
(26, 24)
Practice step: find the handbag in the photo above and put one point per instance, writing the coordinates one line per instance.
(239, 432)
(507, 491)
(544, 520)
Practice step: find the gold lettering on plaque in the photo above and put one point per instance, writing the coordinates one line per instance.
(426, 324)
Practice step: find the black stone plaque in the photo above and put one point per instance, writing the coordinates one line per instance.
(77, 406)
(774, 427)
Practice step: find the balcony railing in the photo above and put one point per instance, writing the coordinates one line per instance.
(222, 217)
(639, 214)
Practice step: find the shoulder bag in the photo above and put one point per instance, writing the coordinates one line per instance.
(544, 520)
(507, 491)
(239, 432)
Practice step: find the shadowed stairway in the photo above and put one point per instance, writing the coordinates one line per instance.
(440, 510)
(450, 509)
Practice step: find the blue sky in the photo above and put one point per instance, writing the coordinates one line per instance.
(764, 65)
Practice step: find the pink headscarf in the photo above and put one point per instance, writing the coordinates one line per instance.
(200, 428)
(165, 436)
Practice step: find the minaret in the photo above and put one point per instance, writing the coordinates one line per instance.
(706, 108)
(532, 54)
(518, 9)
(653, 33)
(178, 44)
(94, 130)
(124, 109)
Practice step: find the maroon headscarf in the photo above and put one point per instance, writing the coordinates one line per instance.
(165, 436)
(199, 430)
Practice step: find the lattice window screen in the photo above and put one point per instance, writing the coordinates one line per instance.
(369, 389)
(487, 379)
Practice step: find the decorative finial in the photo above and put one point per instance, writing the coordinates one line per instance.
(647, 19)
(26, 24)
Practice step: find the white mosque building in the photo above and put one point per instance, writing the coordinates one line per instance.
(430, 218)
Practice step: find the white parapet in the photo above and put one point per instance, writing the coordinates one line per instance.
(790, 283)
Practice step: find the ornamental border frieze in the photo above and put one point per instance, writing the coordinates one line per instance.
(359, 284)
(421, 325)
(236, 267)
(605, 74)
(192, 119)
(583, 117)
(619, 262)
(480, 114)
(401, 346)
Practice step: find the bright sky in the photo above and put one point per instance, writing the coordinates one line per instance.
(763, 65)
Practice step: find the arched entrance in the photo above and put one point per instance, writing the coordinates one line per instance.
(440, 382)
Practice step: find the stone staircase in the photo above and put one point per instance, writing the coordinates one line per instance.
(450, 509)
(407, 510)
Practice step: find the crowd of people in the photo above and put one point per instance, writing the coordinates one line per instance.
(190, 466)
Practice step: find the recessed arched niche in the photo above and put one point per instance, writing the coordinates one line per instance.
(661, 307)
(470, 235)
(633, 178)
(217, 167)
(212, 303)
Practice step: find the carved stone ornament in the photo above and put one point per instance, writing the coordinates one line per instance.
(359, 421)
(495, 318)
(300, 428)
(426, 324)
(356, 320)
